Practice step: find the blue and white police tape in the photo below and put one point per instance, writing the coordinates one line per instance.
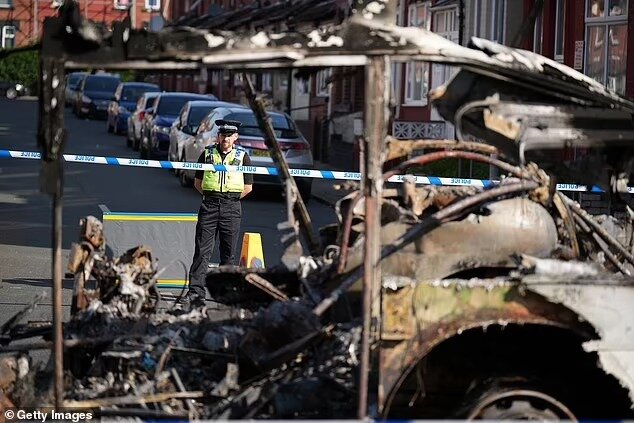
(260, 170)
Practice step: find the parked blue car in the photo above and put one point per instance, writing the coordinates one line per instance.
(155, 138)
(123, 104)
(94, 95)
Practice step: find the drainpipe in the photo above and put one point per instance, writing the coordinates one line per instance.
(289, 87)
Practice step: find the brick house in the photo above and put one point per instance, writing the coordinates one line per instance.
(593, 37)
(21, 20)
(455, 20)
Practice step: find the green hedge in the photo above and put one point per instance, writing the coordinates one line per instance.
(21, 67)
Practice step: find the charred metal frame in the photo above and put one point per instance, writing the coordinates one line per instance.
(70, 42)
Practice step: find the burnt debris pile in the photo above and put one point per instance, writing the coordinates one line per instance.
(129, 353)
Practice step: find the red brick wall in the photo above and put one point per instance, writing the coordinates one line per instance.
(23, 17)
(574, 28)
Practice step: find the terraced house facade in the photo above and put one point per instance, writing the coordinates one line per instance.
(21, 20)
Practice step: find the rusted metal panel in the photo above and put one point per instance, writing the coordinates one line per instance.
(421, 316)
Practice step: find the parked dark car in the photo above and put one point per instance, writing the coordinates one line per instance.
(155, 139)
(94, 95)
(123, 104)
(73, 81)
(12, 90)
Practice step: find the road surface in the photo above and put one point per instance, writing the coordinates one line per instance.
(25, 213)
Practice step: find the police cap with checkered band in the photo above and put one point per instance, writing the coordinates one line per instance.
(228, 127)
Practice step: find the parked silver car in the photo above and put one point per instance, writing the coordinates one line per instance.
(295, 147)
(187, 123)
(135, 120)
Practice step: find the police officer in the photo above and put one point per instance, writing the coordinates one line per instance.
(220, 213)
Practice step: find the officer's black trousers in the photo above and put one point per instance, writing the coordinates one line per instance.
(217, 218)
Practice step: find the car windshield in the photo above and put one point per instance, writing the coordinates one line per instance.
(150, 102)
(172, 105)
(74, 79)
(196, 114)
(283, 127)
(101, 83)
(133, 93)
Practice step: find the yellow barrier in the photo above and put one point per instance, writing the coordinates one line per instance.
(252, 255)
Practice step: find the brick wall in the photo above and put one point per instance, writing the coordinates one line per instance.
(600, 203)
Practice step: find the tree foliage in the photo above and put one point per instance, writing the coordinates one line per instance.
(21, 67)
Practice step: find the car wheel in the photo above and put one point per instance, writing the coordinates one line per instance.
(11, 93)
(514, 398)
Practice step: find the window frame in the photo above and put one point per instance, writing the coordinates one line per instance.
(322, 88)
(451, 15)
(152, 8)
(497, 31)
(606, 22)
(5, 36)
(538, 33)
(606, 18)
(267, 82)
(477, 18)
(397, 68)
(560, 22)
(410, 67)
(118, 5)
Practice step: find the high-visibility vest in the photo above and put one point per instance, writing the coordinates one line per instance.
(223, 181)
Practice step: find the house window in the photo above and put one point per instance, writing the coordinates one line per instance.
(267, 82)
(417, 73)
(498, 19)
(122, 4)
(606, 42)
(446, 24)
(477, 17)
(538, 32)
(397, 68)
(560, 21)
(152, 4)
(237, 79)
(6, 4)
(321, 82)
(8, 36)
(303, 86)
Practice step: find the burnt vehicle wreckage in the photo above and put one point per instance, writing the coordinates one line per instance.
(508, 301)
